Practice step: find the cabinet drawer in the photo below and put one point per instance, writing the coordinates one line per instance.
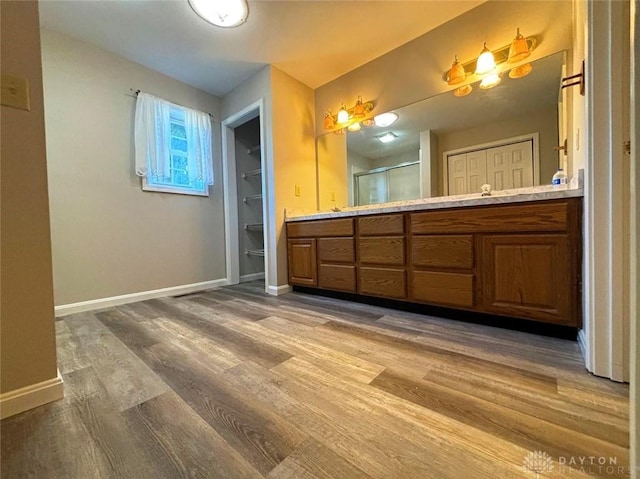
(320, 228)
(382, 250)
(336, 250)
(545, 216)
(452, 289)
(390, 283)
(381, 225)
(337, 277)
(442, 251)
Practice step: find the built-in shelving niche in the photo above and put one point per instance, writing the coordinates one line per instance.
(249, 188)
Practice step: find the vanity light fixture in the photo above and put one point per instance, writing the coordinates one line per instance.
(486, 61)
(463, 91)
(346, 115)
(519, 48)
(368, 122)
(387, 137)
(520, 71)
(222, 13)
(354, 126)
(343, 115)
(456, 74)
(385, 119)
(329, 121)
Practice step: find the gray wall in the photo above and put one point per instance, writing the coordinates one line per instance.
(108, 236)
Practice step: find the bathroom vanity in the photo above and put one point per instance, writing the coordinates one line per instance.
(515, 255)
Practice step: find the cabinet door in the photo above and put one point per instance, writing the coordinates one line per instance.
(528, 276)
(303, 268)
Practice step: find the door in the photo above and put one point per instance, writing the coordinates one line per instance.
(303, 267)
(528, 276)
(510, 166)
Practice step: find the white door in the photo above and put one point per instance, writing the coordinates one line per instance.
(510, 166)
(457, 166)
(476, 170)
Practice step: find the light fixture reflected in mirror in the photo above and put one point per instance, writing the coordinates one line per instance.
(490, 80)
(368, 122)
(520, 71)
(387, 137)
(486, 61)
(385, 119)
(221, 13)
(463, 90)
(354, 127)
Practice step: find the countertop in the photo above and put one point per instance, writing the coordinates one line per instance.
(535, 193)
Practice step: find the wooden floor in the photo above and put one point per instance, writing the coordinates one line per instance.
(234, 383)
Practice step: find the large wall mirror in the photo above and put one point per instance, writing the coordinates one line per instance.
(506, 136)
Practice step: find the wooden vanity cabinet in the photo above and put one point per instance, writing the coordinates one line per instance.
(518, 260)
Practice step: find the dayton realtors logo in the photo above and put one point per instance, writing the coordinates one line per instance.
(538, 461)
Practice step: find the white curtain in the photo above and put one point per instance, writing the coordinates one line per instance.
(198, 128)
(153, 140)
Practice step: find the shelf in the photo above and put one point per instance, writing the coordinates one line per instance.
(254, 227)
(246, 199)
(253, 149)
(252, 173)
(254, 252)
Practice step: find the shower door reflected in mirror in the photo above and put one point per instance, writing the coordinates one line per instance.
(382, 185)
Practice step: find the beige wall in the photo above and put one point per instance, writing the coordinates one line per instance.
(294, 155)
(414, 71)
(333, 172)
(109, 237)
(28, 354)
(289, 152)
(544, 122)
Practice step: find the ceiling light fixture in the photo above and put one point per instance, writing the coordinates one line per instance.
(385, 119)
(222, 13)
(387, 137)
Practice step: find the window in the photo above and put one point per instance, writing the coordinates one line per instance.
(173, 147)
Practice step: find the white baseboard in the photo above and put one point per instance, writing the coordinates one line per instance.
(251, 277)
(29, 397)
(94, 304)
(582, 343)
(279, 290)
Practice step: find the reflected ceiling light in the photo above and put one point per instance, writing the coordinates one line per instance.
(490, 80)
(456, 74)
(521, 71)
(387, 137)
(343, 114)
(385, 119)
(486, 62)
(519, 49)
(463, 90)
(354, 127)
(222, 13)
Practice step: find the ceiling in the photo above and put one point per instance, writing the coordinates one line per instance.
(446, 113)
(313, 41)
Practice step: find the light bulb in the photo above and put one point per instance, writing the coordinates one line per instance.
(343, 114)
(486, 62)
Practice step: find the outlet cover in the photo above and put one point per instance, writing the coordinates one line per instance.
(15, 92)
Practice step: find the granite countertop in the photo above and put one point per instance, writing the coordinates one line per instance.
(534, 193)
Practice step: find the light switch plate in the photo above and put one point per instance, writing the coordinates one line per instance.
(15, 92)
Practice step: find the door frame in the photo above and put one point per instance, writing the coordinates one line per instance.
(534, 137)
(232, 254)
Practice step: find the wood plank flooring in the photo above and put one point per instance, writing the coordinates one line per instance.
(233, 383)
